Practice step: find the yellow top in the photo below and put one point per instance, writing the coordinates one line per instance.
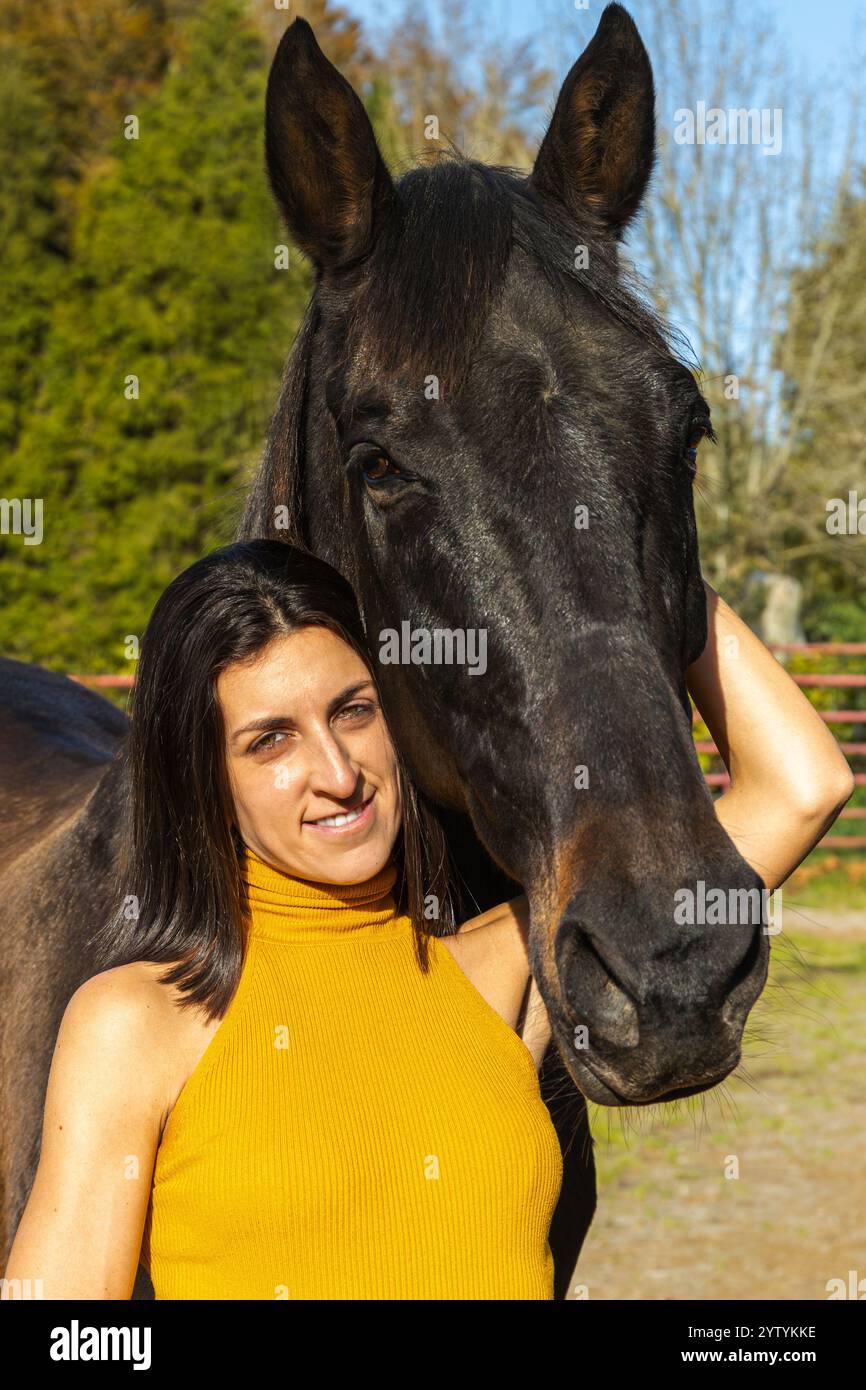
(354, 1129)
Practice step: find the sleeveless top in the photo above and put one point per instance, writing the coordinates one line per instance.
(355, 1129)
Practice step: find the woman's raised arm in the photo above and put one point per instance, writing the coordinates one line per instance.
(789, 779)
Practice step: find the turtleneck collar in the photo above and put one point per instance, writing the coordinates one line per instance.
(285, 908)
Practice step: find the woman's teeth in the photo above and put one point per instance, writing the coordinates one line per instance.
(344, 819)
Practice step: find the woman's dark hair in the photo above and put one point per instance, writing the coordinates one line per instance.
(180, 894)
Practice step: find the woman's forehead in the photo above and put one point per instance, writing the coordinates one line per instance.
(307, 667)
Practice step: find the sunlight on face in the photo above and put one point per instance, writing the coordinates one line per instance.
(318, 747)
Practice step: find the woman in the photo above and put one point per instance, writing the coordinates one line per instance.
(284, 1086)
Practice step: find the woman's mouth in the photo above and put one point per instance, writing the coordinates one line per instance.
(345, 822)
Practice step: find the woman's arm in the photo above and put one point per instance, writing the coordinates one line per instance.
(80, 1233)
(789, 779)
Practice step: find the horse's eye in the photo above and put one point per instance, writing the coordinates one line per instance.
(698, 432)
(377, 468)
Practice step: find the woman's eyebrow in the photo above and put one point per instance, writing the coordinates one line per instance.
(268, 721)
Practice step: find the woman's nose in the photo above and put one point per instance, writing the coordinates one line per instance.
(332, 772)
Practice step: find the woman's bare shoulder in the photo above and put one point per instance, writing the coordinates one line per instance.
(130, 1006)
(130, 991)
(491, 950)
(129, 1011)
(511, 915)
(501, 934)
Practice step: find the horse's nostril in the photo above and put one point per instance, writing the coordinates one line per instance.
(603, 1014)
(748, 980)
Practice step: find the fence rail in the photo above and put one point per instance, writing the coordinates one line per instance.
(845, 681)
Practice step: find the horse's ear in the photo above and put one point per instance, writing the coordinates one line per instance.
(599, 149)
(322, 159)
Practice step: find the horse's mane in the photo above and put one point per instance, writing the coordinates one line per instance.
(280, 473)
(431, 281)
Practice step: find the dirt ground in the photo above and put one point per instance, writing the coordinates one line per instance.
(671, 1224)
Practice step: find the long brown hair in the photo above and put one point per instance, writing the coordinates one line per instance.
(180, 896)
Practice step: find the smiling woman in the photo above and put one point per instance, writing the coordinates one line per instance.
(315, 787)
(258, 694)
(324, 1099)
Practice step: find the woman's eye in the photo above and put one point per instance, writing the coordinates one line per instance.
(265, 741)
(357, 711)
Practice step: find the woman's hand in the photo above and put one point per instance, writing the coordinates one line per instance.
(789, 779)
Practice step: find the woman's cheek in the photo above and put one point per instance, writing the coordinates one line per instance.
(279, 787)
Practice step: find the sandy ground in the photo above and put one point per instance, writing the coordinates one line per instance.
(671, 1225)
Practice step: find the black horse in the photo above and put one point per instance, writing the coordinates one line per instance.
(487, 432)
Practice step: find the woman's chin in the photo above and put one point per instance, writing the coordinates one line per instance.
(347, 864)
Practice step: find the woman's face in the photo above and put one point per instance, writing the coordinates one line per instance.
(306, 741)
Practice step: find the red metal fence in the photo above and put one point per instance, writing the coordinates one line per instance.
(847, 681)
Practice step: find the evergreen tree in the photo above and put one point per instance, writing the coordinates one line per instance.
(163, 359)
(33, 253)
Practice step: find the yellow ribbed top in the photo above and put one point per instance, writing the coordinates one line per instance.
(354, 1129)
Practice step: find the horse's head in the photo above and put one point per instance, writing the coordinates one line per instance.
(487, 433)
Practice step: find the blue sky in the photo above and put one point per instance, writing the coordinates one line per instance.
(816, 29)
(822, 39)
